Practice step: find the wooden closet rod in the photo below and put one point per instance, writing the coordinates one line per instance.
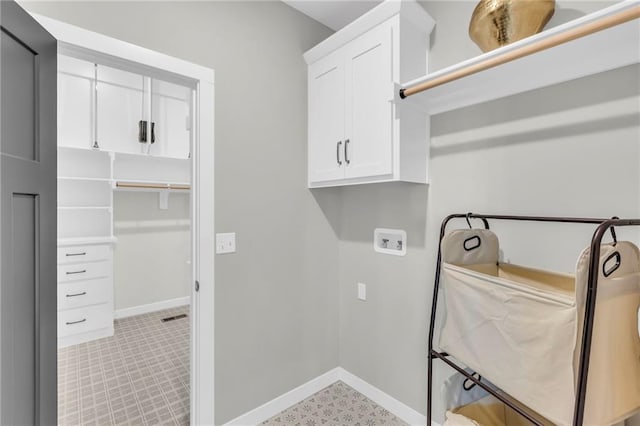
(547, 43)
(152, 185)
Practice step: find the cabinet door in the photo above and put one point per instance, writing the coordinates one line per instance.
(76, 87)
(120, 99)
(326, 119)
(369, 118)
(171, 119)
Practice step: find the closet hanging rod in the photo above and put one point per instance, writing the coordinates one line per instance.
(598, 24)
(170, 186)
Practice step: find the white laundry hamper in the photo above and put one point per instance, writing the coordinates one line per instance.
(521, 327)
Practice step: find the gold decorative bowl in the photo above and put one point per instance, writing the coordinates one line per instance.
(495, 23)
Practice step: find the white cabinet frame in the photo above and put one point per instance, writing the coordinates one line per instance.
(202, 302)
(357, 132)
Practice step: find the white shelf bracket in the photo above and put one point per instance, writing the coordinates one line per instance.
(163, 200)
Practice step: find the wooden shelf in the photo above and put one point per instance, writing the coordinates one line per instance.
(614, 47)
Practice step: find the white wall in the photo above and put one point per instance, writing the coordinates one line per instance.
(154, 246)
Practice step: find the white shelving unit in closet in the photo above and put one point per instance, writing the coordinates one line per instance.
(121, 127)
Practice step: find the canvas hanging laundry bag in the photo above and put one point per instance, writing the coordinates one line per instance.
(469, 404)
(489, 411)
(519, 327)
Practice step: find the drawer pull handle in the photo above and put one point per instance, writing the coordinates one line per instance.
(76, 254)
(76, 322)
(77, 294)
(76, 272)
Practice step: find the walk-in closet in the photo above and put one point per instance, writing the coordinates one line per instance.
(124, 241)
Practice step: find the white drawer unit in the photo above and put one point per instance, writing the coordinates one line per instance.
(88, 253)
(85, 292)
(83, 320)
(77, 294)
(84, 271)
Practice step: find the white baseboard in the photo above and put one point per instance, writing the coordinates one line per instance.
(284, 401)
(76, 339)
(152, 307)
(400, 410)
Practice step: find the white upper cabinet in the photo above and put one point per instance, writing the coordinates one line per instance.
(120, 110)
(171, 119)
(327, 117)
(76, 102)
(369, 106)
(357, 133)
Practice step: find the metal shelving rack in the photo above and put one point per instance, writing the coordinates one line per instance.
(592, 288)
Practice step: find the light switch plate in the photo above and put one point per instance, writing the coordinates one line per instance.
(362, 291)
(226, 243)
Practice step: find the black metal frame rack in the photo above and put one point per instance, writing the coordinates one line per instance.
(592, 287)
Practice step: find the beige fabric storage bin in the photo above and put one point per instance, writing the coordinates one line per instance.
(519, 327)
(489, 411)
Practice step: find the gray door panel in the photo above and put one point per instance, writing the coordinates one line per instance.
(19, 317)
(28, 322)
(19, 70)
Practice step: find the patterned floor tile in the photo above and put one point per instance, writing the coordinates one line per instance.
(140, 376)
(336, 405)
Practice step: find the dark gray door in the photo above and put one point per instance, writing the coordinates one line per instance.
(27, 220)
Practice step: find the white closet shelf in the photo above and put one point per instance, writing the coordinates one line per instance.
(143, 155)
(84, 208)
(76, 148)
(86, 241)
(89, 179)
(563, 53)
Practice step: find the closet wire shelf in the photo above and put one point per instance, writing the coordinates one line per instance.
(604, 225)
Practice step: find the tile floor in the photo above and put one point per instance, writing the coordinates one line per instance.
(140, 376)
(334, 405)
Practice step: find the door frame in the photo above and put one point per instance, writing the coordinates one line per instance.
(202, 212)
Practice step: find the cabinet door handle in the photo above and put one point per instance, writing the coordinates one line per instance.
(153, 132)
(76, 322)
(76, 272)
(338, 160)
(346, 152)
(77, 294)
(142, 131)
(76, 254)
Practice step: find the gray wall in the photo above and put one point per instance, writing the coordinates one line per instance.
(153, 250)
(287, 300)
(276, 310)
(572, 149)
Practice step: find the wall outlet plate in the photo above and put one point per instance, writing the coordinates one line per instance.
(362, 291)
(390, 241)
(226, 243)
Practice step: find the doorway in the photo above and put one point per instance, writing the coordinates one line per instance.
(151, 172)
(125, 137)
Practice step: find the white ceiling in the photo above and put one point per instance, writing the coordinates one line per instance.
(335, 14)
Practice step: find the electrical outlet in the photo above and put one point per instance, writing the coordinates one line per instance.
(362, 291)
(226, 243)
